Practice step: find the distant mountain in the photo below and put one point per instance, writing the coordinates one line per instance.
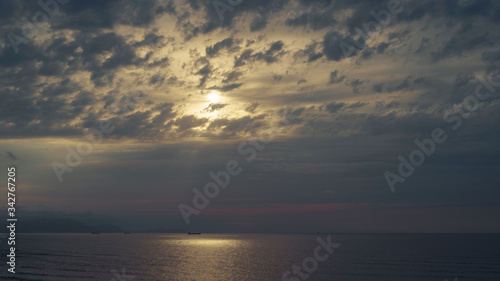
(163, 230)
(72, 226)
(64, 226)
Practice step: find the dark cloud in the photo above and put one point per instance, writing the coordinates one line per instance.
(332, 46)
(258, 23)
(232, 76)
(378, 88)
(356, 84)
(82, 100)
(491, 57)
(227, 88)
(334, 78)
(398, 35)
(205, 73)
(252, 107)
(382, 47)
(270, 55)
(157, 79)
(94, 14)
(260, 8)
(241, 60)
(334, 107)
(236, 126)
(356, 105)
(150, 39)
(215, 49)
(311, 52)
(461, 44)
(319, 19)
(11, 156)
(188, 122)
(383, 106)
(152, 123)
(214, 106)
(393, 86)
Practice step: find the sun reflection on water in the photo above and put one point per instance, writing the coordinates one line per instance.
(206, 258)
(211, 242)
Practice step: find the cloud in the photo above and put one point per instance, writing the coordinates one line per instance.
(226, 88)
(334, 107)
(258, 23)
(315, 20)
(334, 78)
(236, 126)
(393, 86)
(271, 55)
(205, 73)
(356, 105)
(215, 49)
(151, 39)
(88, 15)
(232, 76)
(188, 122)
(214, 106)
(332, 45)
(11, 156)
(252, 107)
(356, 84)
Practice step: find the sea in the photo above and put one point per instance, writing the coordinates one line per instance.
(256, 257)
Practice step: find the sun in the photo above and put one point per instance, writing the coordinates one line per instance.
(213, 98)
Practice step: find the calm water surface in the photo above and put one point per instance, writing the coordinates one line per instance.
(259, 257)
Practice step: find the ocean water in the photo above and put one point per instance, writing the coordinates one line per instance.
(259, 257)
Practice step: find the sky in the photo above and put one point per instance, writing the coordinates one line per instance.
(331, 115)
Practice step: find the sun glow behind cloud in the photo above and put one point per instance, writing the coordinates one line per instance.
(214, 97)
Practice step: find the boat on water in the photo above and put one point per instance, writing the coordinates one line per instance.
(194, 233)
(96, 233)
